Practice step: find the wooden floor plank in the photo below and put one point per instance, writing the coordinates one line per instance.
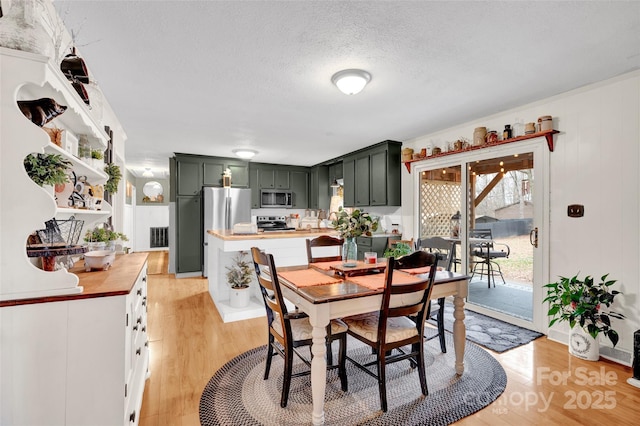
(189, 343)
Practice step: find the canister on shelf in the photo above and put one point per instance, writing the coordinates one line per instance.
(479, 136)
(407, 154)
(507, 133)
(492, 136)
(545, 123)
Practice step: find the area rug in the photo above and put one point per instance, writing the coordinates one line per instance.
(491, 333)
(238, 395)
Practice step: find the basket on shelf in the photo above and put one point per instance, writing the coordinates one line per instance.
(58, 233)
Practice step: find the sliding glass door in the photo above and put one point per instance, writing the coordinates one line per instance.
(490, 205)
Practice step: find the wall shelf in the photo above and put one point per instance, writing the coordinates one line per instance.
(547, 134)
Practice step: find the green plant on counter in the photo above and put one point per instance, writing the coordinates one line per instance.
(398, 250)
(97, 154)
(47, 169)
(580, 302)
(241, 273)
(115, 175)
(103, 235)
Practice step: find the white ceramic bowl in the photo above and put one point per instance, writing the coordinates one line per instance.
(99, 259)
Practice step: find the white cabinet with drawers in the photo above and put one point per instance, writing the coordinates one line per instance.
(81, 359)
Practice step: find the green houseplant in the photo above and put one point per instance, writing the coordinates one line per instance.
(115, 175)
(581, 302)
(47, 169)
(398, 250)
(239, 276)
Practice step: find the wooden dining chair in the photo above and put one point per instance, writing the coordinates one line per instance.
(323, 241)
(290, 330)
(314, 246)
(390, 328)
(443, 249)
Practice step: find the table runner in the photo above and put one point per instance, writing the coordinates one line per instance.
(376, 281)
(308, 277)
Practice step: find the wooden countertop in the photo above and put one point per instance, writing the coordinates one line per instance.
(117, 280)
(228, 235)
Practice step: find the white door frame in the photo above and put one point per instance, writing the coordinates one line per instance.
(538, 146)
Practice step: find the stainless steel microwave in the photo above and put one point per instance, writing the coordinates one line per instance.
(270, 198)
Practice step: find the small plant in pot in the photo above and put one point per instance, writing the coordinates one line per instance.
(239, 276)
(97, 158)
(581, 302)
(47, 169)
(103, 238)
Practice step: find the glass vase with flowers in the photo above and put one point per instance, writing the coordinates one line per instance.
(350, 225)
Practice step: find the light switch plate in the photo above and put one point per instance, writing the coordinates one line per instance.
(575, 210)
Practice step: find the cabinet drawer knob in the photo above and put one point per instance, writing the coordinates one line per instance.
(138, 351)
(144, 279)
(132, 417)
(139, 292)
(139, 320)
(144, 328)
(135, 328)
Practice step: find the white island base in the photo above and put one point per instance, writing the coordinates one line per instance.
(287, 248)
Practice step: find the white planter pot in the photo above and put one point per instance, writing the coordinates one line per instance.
(240, 297)
(582, 345)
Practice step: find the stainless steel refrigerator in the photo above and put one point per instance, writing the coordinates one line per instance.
(223, 208)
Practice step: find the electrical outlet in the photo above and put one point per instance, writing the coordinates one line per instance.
(575, 210)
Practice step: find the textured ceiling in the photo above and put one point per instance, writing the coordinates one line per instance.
(206, 77)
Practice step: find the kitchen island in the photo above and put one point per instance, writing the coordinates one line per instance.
(288, 249)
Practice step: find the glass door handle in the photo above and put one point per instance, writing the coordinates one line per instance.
(533, 237)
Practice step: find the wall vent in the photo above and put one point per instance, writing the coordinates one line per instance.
(159, 237)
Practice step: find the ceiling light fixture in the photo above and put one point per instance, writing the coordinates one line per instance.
(147, 172)
(351, 82)
(245, 153)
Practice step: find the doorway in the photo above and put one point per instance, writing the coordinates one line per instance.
(497, 193)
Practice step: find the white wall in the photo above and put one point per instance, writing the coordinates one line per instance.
(596, 163)
(148, 217)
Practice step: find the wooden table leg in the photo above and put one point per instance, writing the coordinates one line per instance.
(459, 333)
(319, 320)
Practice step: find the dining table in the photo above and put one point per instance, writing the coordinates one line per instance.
(324, 295)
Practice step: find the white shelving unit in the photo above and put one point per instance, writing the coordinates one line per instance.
(25, 206)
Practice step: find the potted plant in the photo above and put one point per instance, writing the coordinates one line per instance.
(239, 276)
(115, 175)
(398, 250)
(47, 169)
(103, 238)
(97, 158)
(350, 226)
(581, 302)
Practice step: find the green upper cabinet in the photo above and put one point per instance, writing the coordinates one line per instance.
(372, 176)
(335, 171)
(189, 176)
(378, 163)
(282, 179)
(300, 189)
(363, 178)
(213, 169)
(319, 188)
(349, 176)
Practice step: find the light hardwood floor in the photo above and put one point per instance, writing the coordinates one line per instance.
(189, 342)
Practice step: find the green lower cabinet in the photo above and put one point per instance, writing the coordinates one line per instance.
(189, 234)
(376, 243)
